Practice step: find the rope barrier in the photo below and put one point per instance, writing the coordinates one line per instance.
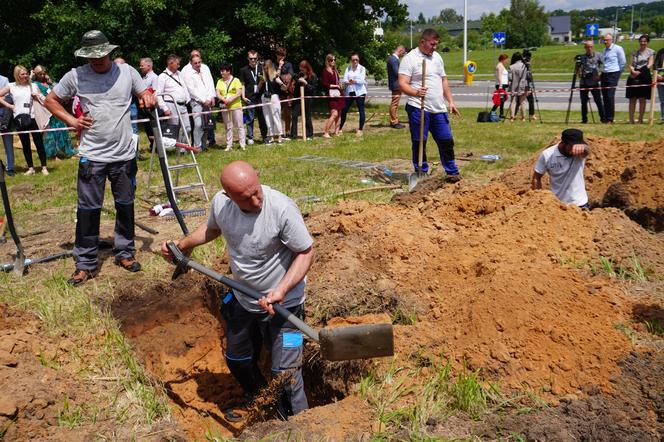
(326, 97)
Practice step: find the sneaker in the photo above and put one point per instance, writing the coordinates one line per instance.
(44, 171)
(310, 138)
(31, 171)
(326, 135)
(358, 133)
(80, 276)
(129, 264)
(280, 141)
(243, 148)
(250, 141)
(268, 142)
(285, 139)
(228, 149)
(11, 172)
(397, 126)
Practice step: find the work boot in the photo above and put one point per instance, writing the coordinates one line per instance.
(129, 264)
(80, 276)
(452, 178)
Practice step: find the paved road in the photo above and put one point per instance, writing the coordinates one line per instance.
(547, 100)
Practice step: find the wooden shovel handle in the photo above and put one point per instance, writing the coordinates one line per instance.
(420, 154)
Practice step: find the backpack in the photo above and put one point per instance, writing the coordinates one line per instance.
(484, 117)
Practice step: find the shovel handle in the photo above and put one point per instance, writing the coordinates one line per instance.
(181, 259)
(420, 154)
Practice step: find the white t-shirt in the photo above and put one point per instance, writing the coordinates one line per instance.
(262, 245)
(411, 65)
(106, 98)
(565, 175)
(22, 96)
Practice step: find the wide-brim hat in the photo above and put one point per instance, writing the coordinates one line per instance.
(94, 44)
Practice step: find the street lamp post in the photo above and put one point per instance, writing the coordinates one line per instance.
(615, 25)
(631, 24)
(465, 31)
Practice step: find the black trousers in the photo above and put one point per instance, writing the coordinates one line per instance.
(295, 116)
(585, 96)
(609, 80)
(39, 144)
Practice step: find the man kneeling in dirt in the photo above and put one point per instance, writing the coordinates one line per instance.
(565, 162)
(271, 251)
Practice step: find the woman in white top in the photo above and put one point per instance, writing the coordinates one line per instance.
(355, 83)
(24, 93)
(502, 81)
(272, 109)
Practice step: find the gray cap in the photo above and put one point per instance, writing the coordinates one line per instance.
(94, 44)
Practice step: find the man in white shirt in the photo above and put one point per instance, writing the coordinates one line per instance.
(150, 79)
(206, 71)
(201, 90)
(173, 94)
(565, 162)
(434, 93)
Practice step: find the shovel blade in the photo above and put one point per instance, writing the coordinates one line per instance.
(19, 264)
(414, 178)
(357, 342)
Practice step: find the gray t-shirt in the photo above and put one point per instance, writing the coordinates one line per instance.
(565, 175)
(262, 245)
(106, 98)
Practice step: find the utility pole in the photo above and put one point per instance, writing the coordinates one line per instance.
(411, 33)
(465, 31)
(615, 25)
(631, 25)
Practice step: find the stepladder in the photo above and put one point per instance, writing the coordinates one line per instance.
(183, 171)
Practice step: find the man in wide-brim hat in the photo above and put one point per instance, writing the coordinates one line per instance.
(106, 150)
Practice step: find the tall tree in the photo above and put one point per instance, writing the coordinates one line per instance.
(449, 15)
(527, 24)
(49, 32)
(421, 20)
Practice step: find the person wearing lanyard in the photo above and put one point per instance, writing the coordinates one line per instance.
(251, 77)
(614, 62)
(355, 82)
(229, 93)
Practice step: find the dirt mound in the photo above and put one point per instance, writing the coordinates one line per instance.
(626, 175)
(478, 271)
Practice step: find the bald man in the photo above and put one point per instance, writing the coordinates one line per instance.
(271, 251)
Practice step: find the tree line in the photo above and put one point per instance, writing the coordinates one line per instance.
(49, 31)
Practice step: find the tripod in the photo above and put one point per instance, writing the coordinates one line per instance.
(531, 90)
(571, 94)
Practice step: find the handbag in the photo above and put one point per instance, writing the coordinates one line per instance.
(7, 114)
(24, 121)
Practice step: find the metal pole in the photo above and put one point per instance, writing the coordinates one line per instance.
(411, 34)
(631, 25)
(465, 31)
(615, 25)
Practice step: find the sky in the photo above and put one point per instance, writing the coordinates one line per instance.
(477, 7)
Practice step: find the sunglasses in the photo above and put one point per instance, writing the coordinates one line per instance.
(253, 58)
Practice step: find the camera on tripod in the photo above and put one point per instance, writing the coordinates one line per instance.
(527, 55)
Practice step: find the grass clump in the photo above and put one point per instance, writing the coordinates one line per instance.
(403, 407)
(633, 270)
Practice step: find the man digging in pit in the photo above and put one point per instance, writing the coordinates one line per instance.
(565, 162)
(271, 251)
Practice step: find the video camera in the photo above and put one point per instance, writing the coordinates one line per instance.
(527, 54)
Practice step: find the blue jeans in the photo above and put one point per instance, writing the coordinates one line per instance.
(610, 80)
(439, 126)
(133, 113)
(660, 92)
(8, 141)
(359, 99)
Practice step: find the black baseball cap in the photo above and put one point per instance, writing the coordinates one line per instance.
(573, 136)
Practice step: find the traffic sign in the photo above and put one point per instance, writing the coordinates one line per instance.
(592, 30)
(499, 38)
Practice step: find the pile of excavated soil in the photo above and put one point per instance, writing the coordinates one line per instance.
(622, 174)
(481, 268)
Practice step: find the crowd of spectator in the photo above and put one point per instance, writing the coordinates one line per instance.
(266, 90)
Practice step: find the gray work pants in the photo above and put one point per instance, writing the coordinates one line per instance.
(91, 184)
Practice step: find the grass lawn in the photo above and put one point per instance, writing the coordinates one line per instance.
(546, 61)
(70, 312)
